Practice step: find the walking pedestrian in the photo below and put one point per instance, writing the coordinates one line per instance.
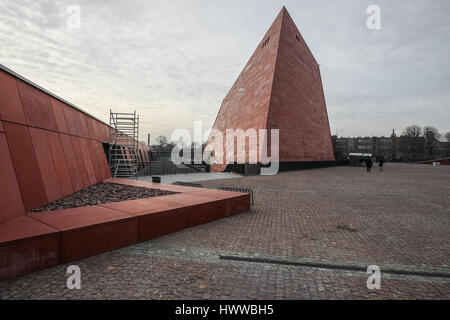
(381, 164)
(369, 164)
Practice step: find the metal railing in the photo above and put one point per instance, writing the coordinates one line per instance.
(117, 169)
(187, 184)
(242, 190)
(233, 189)
(163, 168)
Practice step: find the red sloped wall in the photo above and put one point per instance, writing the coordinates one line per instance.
(280, 88)
(247, 103)
(48, 149)
(297, 107)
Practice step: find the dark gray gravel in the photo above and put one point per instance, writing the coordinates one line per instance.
(103, 192)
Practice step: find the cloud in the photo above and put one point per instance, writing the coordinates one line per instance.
(174, 61)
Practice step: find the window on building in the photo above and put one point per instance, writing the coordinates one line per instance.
(266, 42)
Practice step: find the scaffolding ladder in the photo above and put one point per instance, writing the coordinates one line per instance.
(123, 144)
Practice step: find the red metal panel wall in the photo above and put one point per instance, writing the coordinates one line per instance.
(71, 120)
(246, 104)
(95, 159)
(10, 104)
(91, 124)
(297, 106)
(59, 115)
(105, 132)
(37, 107)
(11, 204)
(46, 164)
(87, 160)
(96, 131)
(83, 126)
(49, 148)
(72, 165)
(60, 162)
(26, 166)
(444, 162)
(80, 161)
(280, 88)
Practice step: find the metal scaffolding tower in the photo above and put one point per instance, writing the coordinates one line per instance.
(123, 144)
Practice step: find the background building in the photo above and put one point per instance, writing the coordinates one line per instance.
(393, 148)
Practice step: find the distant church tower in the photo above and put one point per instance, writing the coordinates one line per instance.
(393, 135)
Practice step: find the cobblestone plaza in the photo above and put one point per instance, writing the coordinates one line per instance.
(343, 216)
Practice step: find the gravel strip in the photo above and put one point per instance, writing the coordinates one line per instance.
(103, 192)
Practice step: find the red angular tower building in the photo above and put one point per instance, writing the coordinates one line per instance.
(280, 88)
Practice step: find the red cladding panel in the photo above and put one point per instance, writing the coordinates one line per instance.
(26, 166)
(237, 205)
(162, 223)
(207, 212)
(84, 131)
(60, 163)
(80, 161)
(91, 127)
(37, 107)
(85, 151)
(23, 228)
(29, 256)
(10, 104)
(92, 147)
(104, 170)
(101, 132)
(71, 119)
(59, 115)
(79, 218)
(445, 161)
(78, 116)
(83, 243)
(91, 230)
(46, 164)
(95, 130)
(11, 203)
(27, 245)
(104, 132)
(71, 161)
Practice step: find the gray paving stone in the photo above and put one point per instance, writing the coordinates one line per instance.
(397, 218)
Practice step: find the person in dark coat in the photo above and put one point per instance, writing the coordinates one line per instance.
(369, 164)
(381, 164)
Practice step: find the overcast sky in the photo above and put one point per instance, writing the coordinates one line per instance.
(175, 60)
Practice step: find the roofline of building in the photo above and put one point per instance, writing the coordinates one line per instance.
(15, 74)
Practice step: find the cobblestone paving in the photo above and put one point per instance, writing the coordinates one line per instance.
(399, 218)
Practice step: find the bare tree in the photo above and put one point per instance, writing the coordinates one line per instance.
(413, 131)
(430, 132)
(432, 137)
(410, 143)
(447, 137)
